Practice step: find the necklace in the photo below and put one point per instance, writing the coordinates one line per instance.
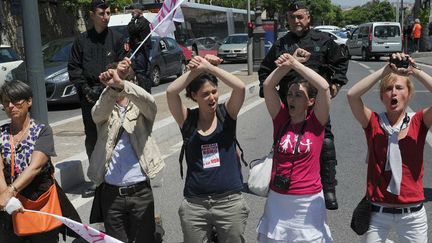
(24, 131)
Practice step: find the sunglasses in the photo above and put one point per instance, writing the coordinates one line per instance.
(17, 104)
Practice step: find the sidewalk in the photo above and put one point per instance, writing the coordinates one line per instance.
(71, 162)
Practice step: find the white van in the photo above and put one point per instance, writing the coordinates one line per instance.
(375, 40)
(119, 22)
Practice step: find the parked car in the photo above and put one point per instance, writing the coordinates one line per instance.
(59, 90)
(203, 46)
(234, 48)
(9, 60)
(327, 27)
(166, 59)
(339, 37)
(375, 40)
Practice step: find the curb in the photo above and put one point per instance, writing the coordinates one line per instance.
(73, 170)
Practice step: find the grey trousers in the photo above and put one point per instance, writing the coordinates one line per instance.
(227, 215)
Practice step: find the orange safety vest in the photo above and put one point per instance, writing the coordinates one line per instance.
(416, 31)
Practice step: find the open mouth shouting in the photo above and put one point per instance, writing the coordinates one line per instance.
(394, 101)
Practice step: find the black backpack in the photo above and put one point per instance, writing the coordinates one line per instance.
(189, 126)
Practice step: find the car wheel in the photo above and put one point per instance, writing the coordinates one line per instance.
(377, 58)
(155, 76)
(183, 69)
(365, 56)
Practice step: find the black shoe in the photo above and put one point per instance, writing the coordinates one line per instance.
(330, 200)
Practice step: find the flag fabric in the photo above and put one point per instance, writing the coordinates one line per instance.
(163, 23)
(86, 232)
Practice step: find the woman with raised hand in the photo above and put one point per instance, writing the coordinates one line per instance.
(395, 140)
(212, 192)
(295, 209)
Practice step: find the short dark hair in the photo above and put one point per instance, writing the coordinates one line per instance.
(296, 5)
(103, 4)
(15, 90)
(196, 84)
(138, 6)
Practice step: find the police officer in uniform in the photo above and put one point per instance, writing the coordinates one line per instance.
(91, 52)
(329, 60)
(139, 29)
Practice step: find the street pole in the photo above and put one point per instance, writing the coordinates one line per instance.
(33, 58)
(397, 11)
(258, 38)
(249, 45)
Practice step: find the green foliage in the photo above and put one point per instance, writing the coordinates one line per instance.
(370, 12)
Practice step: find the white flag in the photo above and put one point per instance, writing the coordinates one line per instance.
(86, 232)
(163, 23)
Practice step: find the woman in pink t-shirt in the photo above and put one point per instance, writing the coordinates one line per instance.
(395, 142)
(295, 209)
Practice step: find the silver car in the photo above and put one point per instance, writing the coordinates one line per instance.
(234, 48)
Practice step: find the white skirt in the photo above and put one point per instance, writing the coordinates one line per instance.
(294, 218)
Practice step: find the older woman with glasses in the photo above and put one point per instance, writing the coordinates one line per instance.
(26, 147)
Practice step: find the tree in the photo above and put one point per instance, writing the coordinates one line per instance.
(370, 12)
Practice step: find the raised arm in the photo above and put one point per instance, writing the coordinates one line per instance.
(426, 80)
(175, 104)
(360, 111)
(322, 100)
(235, 101)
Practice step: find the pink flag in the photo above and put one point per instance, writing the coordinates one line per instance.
(163, 23)
(86, 232)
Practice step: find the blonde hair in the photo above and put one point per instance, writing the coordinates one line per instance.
(390, 78)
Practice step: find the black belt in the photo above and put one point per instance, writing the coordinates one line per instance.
(381, 209)
(128, 190)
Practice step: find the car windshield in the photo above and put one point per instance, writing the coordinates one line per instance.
(236, 39)
(57, 51)
(343, 35)
(8, 54)
(386, 31)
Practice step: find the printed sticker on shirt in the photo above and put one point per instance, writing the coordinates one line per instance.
(210, 155)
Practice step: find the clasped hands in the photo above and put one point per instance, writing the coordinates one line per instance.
(204, 63)
(114, 77)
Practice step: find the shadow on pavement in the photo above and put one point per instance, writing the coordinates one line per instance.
(428, 194)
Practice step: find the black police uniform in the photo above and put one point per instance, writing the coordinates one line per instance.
(91, 53)
(330, 61)
(138, 30)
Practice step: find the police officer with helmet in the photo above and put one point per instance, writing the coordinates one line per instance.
(329, 60)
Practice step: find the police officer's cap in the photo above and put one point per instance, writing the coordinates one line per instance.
(103, 4)
(296, 5)
(138, 6)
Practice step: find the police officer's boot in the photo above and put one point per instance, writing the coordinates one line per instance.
(328, 173)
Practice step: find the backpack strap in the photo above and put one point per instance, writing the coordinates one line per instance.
(220, 114)
(189, 125)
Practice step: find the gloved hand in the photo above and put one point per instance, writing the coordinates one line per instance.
(13, 205)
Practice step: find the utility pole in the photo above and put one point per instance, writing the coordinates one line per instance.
(258, 38)
(33, 58)
(249, 44)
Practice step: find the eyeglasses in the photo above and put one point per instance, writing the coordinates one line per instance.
(17, 104)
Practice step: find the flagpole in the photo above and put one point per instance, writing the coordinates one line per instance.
(153, 30)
